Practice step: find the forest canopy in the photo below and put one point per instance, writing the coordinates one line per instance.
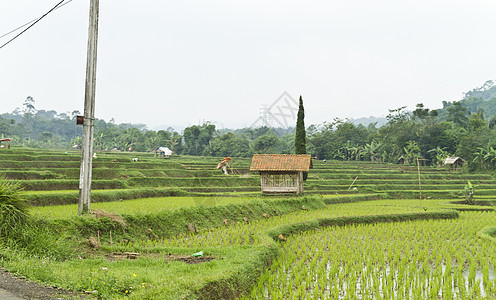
(464, 128)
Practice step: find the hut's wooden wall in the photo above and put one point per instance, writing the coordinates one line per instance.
(279, 182)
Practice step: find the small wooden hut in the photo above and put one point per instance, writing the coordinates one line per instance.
(163, 152)
(6, 143)
(281, 173)
(454, 162)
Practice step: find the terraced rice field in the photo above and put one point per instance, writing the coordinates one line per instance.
(52, 177)
(359, 232)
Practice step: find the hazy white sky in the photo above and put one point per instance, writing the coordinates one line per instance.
(178, 63)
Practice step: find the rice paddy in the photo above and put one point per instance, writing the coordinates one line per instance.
(425, 259)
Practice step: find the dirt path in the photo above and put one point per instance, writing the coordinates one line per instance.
(13, 288)
(4, 295)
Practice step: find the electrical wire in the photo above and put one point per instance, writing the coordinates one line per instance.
(14, 30)
(33, 22)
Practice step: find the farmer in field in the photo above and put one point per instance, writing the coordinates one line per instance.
(223, 165)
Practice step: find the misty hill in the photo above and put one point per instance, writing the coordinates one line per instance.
(481, 98)
(365, 121)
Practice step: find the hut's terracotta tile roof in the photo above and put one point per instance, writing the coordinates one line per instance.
(281, 162)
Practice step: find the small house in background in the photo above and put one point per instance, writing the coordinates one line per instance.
(281, 173)
(163, 152)
(454, 162)
(5, 143)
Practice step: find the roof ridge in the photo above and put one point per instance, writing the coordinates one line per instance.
(281, 162)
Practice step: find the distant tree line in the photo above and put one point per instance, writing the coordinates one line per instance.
(30, 127)
(461, 128)
(465, 128)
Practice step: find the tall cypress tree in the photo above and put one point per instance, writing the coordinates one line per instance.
(300, 136)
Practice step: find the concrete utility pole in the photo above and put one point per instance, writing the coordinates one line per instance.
(89, 112)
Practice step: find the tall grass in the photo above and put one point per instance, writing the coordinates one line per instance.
(20, 232)
(13, 208)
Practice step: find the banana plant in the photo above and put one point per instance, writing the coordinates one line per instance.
(347, 149)
(372, 150)
(490, 155)
(412, 151)
(480, 156)
(440, 155)
(469, 193)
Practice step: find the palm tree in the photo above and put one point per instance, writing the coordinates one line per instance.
(74, 114)
(29, 105)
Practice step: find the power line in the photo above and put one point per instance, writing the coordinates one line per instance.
(59, 5)
(14, 30)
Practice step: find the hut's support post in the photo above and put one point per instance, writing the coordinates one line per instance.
(299, 182)
(262, 175)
